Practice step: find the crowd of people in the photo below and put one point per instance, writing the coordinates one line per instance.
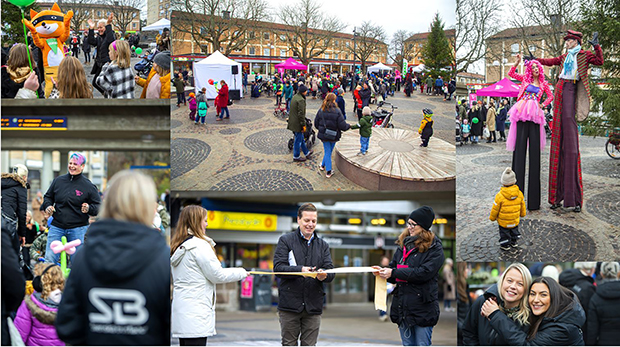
(118, 258)
(113, 75)
(542, 305)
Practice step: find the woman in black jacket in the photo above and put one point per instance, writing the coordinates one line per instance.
(415, 268)
(15, 203)
(556, 318)
(510, 293)
(476, 126)
(17, 70)
(604, 311)
(330, 123)
(118, 292)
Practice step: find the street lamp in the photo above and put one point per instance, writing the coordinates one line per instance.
(272, 47)
(354, 49)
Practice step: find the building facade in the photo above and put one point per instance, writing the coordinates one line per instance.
(267, 47)
(95, 12)
(414, 44)
(156, 10)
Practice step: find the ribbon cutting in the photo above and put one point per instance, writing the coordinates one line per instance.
(380, 283)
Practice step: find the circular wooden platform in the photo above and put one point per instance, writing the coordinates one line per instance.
(395, 161)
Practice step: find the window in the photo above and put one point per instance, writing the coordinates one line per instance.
(346, 57)
(251, 34)
(133, 25)
(98, 13)
(335, 42)
(266, 51)
(514, 48)
(266, 36)
(252, 51)
(347, 44)
(326, 56)
(282, 38)
(532, 48)
(283, 52)
(335, 56)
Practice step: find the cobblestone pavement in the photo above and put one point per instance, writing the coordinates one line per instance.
(354, 324)
(547, 235)
(89, 77)
(250, 151)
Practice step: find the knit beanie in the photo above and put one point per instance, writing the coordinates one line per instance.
(610, 269)
(366, 111)
(163, 60)
(424, 216)
(302, 88)
(508, 177)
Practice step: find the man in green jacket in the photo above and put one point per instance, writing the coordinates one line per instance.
(430, 85)
(180, 87)
(297, 124)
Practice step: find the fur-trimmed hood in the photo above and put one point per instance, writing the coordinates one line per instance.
(17, 178)
(40, 311)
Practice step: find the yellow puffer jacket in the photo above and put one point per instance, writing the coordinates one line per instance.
(508, 206)
(165, 85)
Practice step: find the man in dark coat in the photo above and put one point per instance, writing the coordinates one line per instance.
(603, 323)
(297, 123)
(13, 282)
(86, 49)
(15, 203)
(579, 280)
(301, 298)
(105, 36)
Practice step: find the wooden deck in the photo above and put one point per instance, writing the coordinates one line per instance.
(395, 154)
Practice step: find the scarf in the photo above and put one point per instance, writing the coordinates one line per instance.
(20, 74)
(570, 63)
(511, 312)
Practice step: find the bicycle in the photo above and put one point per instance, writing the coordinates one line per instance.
(612, 146)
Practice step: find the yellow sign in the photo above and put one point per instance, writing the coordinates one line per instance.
(242, 221)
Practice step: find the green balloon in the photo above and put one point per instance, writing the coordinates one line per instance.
(138, 51)
(475, 120)
(494, 272)
(22, 3)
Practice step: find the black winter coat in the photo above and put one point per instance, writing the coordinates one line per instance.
(103, 44)
(333, 120)
(15, 200)
(297, 293)
(365, 96)
(477, 330)
(562, 330)
(10, 88)
(416, 301)
(68, 193)
(476, 128)
(581, 285)
(500, 119)
(462, 309)
(603, 325)
(122, 265)
(13, 283)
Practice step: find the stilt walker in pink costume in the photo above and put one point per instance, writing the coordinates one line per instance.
(572, 104)
(527, 127)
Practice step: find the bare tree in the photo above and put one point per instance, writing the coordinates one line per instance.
(369, 39)
(398, 49)
(225, 24)
(81, 11)
(544, 25)
(311, 32)
(125, 11)
(476, 20)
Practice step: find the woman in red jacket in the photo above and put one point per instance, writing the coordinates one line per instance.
(222, 100)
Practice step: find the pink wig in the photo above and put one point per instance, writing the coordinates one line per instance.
(79, 157)
(528, 72)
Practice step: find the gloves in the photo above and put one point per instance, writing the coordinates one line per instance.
(594, 40)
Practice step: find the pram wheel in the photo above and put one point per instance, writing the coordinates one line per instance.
(290, 144)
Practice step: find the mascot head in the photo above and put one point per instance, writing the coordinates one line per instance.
(48, 23)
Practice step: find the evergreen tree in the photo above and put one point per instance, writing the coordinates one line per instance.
(436, 52)
(602, 16)
(12, 27)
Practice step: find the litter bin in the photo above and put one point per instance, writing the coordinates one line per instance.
(255, 293)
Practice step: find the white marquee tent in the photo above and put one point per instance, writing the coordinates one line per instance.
(379, 67)
(157, 26)
(217, 67)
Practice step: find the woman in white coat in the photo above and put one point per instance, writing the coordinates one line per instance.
(195, 271)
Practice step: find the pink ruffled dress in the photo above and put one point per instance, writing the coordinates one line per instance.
(526, 109)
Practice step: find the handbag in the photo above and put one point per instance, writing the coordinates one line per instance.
(486, 133)
(330, 135)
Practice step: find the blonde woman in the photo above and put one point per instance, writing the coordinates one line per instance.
(195, 271)
(116, 77)
(511, 295)
(123, 265)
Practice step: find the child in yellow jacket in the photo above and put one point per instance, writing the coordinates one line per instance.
(508, 207)
(426, 128)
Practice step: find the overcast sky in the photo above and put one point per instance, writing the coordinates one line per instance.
(414, 16)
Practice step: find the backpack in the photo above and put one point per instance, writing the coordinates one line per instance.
(202, 109)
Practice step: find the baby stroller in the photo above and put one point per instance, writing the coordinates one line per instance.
(459, 134)
(381, 117)
(309, 136)
(143, 67)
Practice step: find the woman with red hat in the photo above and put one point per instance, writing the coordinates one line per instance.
(572, 104)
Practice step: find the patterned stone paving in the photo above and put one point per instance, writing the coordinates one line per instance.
(263, 180)
(186, 154)
(549, 235)
(254, 141)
